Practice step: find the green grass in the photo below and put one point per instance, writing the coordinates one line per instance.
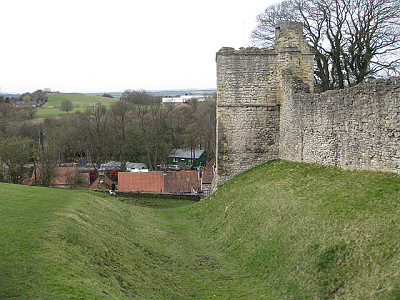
(80, 101)
(55, 100)
(305, 231)
(48, 112)
(281, 230)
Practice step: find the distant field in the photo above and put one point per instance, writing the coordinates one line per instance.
(48, 112)
(55, 100)
(80, 102)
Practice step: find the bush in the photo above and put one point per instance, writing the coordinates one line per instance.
(108, 95)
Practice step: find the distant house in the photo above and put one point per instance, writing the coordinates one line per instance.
(169, 182)
(109, 169)
(136, 167)
(188, 157)
(209, 171)
(172, 101)
(27, 104)
(63, 177)
(181, 100)
(93, 172)
(130, 167)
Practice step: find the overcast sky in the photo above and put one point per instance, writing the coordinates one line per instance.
(114, 45)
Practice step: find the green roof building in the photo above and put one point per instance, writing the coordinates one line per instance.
(188, 157)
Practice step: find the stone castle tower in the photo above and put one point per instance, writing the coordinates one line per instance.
(251, 91)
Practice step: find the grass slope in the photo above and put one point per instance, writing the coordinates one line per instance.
(304, 231)
(281, 230)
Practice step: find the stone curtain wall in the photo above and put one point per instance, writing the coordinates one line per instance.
(358, 127)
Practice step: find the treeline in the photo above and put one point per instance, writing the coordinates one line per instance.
(129, 130)
(353, 40)
(38, 96)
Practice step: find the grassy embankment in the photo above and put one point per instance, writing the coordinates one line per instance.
(80, 102)
(282, 230)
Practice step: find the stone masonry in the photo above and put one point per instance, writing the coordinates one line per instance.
(250, 94)
(355, 128)
(266, 110)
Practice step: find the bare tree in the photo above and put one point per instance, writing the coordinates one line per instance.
(353, 40)
(94, 133)
(44, 171)
(16, 152)
(66, 105)
(206, 123)
(121, 117)
(156, 133)
(140, 97)
(194, 126)
(372, 38)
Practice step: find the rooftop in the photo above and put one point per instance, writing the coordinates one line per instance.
(186, 153)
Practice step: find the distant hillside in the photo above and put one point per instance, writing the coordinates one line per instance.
(10, 95)
(182, 92)
(115, 95)
(165, 93)
(281, 230)
(55, 99)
